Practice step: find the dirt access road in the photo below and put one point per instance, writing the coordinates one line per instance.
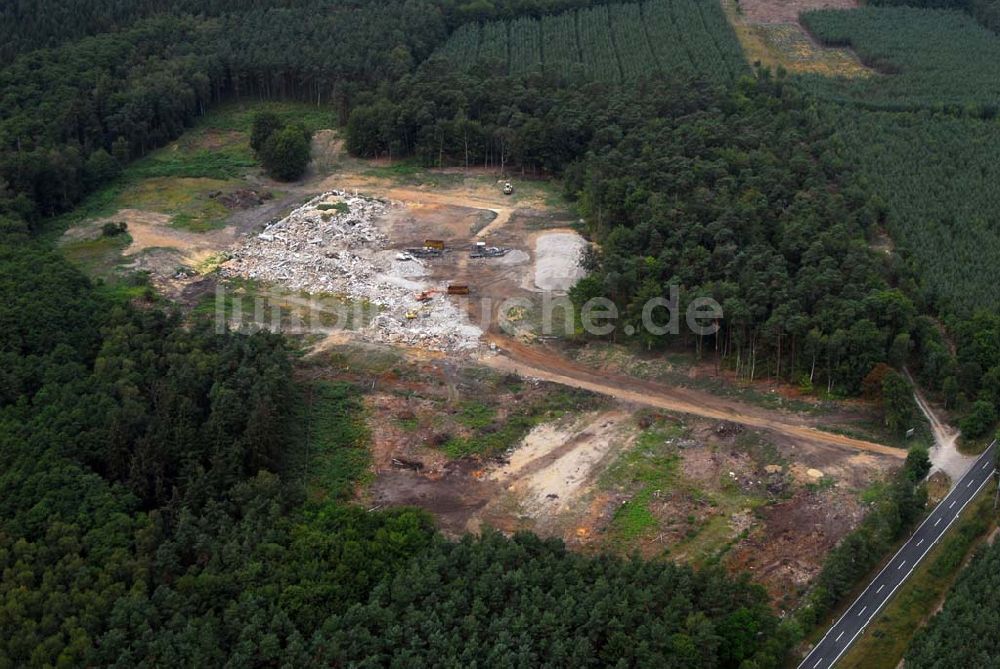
(541, 363)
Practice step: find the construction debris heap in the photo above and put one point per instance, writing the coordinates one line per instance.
(332, 246)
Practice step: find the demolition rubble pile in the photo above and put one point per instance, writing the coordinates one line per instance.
(331, 245)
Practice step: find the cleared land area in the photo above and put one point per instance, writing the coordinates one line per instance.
(601, 458)
(771, 33)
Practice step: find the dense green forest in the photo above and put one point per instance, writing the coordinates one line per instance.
(151, 511)
(150, 514)
(736, 195)
(924, 59)
(986, 12)
(27, 25)
(623, 42)
(964, 634)
(72, 115)
(938, 184)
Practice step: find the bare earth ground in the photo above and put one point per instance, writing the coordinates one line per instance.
(756, 501)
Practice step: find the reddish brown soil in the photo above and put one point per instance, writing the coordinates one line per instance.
(786, 551)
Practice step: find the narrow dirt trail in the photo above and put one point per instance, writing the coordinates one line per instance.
(548, 366)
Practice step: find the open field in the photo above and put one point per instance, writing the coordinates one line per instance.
(772, 35)
(929, 59)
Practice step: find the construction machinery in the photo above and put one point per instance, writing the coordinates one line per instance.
(481, 250)
(426, 296)
(432, 248)
(458, 289)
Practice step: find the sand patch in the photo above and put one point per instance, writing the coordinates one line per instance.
(557, 260)
(555, 462)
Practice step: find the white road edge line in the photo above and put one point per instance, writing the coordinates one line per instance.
(889, 596)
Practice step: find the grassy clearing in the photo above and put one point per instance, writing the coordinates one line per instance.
(410, 173)
(972, 446)
(877, 431)
(649, 467)
(787, 46)
(99, 257)
(333, 436)
(887, 638)
(177, 179)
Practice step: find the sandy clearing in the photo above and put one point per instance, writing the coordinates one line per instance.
(555, 461)
(787, 11)
(557, 260)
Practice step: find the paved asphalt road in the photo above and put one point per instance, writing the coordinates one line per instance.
(850, 626)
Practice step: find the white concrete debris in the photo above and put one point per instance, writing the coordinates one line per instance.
(326, 247)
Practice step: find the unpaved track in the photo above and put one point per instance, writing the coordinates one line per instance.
(945, 456)
(549, 366)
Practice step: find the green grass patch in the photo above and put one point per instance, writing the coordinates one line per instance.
(99, 257)
(217, 148)
(476, 415)
(238, 116)
(245, 303)
(651, 468)
(410, 172)
(333, 439)
(972, 446)
(340, 207)
(887, 638)
(648, 467)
